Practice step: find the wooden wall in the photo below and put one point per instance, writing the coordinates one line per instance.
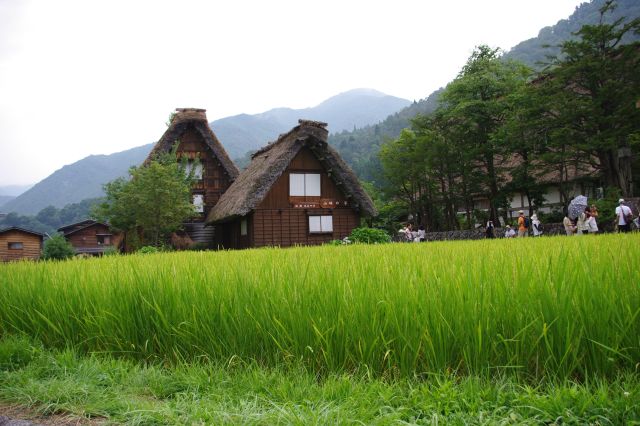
(282, 220)
(88, 237)
(215, 180)
(32, 245)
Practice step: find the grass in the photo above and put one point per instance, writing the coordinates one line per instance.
(125, 392)
(565, 308)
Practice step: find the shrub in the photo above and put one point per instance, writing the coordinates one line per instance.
(57, 248)
(110, 251)
(147, 250)
(369, 236)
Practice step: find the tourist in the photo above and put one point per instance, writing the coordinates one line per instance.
(420, 235)
(522, 225)
(569, 227)
(592, 224)
(536, 226)
(624, 216)
(489, 230)
(581, 224)
(510, 232)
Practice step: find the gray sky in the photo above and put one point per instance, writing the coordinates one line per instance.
(81, 77)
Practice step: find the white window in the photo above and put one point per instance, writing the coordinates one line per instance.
(243, 227)
(320, 224)
(198, 201)
(304, 184)
(195, 167)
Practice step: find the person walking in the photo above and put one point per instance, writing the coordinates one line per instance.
(536, 226)
(522, 225)
(581, 224)
(489, 230)
(569, 228)
(592, 223)
(624, 216)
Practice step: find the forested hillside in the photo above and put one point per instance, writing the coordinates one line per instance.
(360, 147)
(78, 181)
(534, 52)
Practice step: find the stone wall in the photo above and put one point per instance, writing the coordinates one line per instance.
(478, 234)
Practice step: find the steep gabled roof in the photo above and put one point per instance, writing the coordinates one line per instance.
(268, 164)
(81, 224)
(196, 118)
(75, 227)
(17, 228)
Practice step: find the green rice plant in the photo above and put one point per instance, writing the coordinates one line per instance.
(550, 307)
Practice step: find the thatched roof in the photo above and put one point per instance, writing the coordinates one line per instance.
(195, 118)
(268, 164)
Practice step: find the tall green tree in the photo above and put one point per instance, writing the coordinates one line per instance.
(153, 203)
(476, 104)
(591, 95)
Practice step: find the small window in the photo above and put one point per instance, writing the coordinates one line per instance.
(320, 224)
(304, 184)
(296, 184)
(195, 167)
(243, 227)
(104, 240)
(15, 246)
(198, 202)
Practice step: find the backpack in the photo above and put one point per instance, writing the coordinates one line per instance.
(527, 224)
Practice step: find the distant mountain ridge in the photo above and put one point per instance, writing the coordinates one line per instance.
(355, 108)
(239, 134)
(359, 147)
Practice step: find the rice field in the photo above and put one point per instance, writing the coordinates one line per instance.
(558, 308)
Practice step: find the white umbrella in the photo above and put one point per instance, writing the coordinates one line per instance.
(577, 206)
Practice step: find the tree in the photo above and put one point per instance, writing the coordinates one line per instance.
(476, 104)
(591, 92)
(57, 248)
(153, 203)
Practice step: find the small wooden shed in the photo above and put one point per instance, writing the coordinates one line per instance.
(18, 243)
(296, 191)
(91, 237)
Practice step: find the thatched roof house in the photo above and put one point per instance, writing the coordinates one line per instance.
(266, 186)
(213, 169)
(196, 119)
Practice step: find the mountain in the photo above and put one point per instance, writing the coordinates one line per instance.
(535, 51)
(14, 190)
(4, 199)
(239, 134)
(78, 181)
(355, 108)
(360, 147)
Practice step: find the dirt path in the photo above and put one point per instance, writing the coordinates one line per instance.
(16, 415)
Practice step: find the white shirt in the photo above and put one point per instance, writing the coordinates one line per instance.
(536, 223)
(625, 211)
(592, 225)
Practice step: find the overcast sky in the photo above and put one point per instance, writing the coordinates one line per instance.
(96, 77)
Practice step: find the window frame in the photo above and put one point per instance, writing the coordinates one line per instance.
(11, 245)
(199, 207)
(325, 221)
(305, 184)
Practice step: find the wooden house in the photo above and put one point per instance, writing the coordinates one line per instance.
(296, 191)
(19, 243)
(213, 169)
(90, 237)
